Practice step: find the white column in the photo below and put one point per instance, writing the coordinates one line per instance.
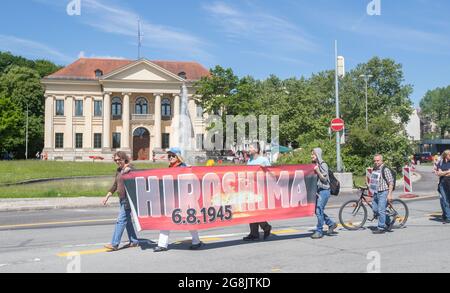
(49, 112)
(126, 122)
(175, 135)
(157, 141)
(87, 136)
(107, 122)
(68, 131)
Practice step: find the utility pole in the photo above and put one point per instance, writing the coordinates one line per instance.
(26, 137)
(338, 135)
(366, 79)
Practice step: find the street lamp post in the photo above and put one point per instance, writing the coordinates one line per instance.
(366, 79)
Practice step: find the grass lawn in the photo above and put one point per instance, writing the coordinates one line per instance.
(19, 171)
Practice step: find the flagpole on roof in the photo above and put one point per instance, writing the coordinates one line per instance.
(139, 39)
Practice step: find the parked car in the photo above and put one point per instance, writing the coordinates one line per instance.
(423, 157)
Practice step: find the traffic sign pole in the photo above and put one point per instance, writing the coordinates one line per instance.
(338, 136)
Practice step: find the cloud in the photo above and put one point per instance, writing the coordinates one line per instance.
(404, 38)
(122, 21)
(82, 54)
(265, 28)
(32, 49)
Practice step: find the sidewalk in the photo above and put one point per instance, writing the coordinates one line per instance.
(36, 204)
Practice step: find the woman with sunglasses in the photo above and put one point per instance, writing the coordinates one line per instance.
(124, 220)
(176, 161)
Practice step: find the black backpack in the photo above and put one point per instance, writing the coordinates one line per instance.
(394, 176)
(335, 185)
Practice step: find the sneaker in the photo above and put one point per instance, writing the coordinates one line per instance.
(378, 231)
(331, 229)
(131, 245)
(159, 249)
(391, 225)
(250, 238)
(446, 221)
(196, 246)
(110, 247)
(317, 235)
(267, 232)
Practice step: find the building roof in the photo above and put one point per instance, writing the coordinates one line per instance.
(84, 68)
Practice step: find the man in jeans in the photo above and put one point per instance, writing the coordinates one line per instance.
(381, 185)
(323, 194)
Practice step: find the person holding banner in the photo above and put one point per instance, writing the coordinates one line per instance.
(176, 161)
(323, 194)
(124, 220)
(257, 160)
(443, 171)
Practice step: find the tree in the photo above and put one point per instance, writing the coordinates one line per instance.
(435, 106)
(22, 87)
(11, 121)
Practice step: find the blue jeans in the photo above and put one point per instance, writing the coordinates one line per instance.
(321, 202)
(124, 221)
(445, 205)
(379, 205)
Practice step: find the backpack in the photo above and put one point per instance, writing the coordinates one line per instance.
(394, 176)
(335, 185)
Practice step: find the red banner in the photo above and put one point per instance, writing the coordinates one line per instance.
(196, 198)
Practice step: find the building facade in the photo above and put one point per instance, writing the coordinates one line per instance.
(94, 107)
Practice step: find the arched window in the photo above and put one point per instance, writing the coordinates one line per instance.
(166, 108)
(141, 107)
(182, 74)
(98, 73)
(116, 107)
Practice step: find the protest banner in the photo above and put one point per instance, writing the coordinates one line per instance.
(196, 198)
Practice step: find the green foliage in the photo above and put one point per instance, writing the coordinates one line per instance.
(436, 107)
(20, 85)
(306, 106)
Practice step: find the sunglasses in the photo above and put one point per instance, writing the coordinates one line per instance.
(171, 156)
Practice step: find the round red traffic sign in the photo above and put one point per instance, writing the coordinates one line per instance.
(337, 124)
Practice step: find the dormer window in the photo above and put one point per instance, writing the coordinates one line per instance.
(98, 73)
(182, 74)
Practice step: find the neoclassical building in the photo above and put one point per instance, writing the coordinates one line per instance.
(94, 107)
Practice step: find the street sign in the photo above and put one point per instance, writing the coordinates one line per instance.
(337, 124)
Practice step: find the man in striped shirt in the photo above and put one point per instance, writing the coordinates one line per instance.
(382, 185)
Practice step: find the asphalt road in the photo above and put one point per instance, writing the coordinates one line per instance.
(43, 241)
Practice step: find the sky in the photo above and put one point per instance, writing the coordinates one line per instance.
(288, 38)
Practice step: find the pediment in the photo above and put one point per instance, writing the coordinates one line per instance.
(143, 70)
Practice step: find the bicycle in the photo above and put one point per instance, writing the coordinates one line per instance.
(353, 213)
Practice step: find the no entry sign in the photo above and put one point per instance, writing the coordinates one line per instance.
(337, 124)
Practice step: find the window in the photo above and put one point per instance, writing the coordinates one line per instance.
(116, 108)
(199, 141)
(141, 106)
(98, 108)
(79, 140)
(166, 108)
(116, 140)
(182, 74)
(78, 108)
(199, 111)
(165, 140)
(98, 73)
(97, 140)
(59, 140)
(59, 107)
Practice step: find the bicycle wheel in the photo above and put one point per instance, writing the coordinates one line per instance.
(400, 211)
(353, 215)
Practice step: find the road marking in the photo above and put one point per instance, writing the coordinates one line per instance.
(286, 231)
(55, 223)
(83, 252)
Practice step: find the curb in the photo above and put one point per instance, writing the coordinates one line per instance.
(55, 207)
(33, 181)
